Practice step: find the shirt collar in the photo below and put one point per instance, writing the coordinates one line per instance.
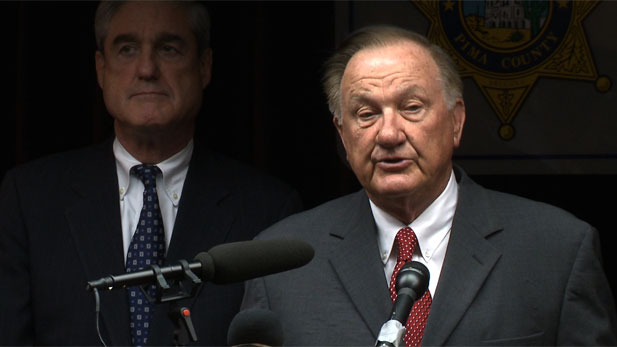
(431, 226)
(173, 169)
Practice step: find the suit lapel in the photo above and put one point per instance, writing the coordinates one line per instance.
(94, 221)
(469, 261)
(204, 218)
(355, 259)
(203, 221)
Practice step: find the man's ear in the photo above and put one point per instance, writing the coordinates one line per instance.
(99, 62)
(339, 126)
(458, 117)
(205, 67)
(341, 148)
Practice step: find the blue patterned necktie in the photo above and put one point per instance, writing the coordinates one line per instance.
(147, 248)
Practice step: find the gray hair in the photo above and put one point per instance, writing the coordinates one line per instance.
(198, 16)
(382, 36)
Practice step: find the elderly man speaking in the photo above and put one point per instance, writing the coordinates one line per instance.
(503, 270)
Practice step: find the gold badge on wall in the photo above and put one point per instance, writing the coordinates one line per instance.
(506, 45)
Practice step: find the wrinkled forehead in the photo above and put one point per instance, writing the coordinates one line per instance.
(148, 19)
(390, 65)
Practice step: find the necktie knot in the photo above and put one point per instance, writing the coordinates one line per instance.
(147, 174)
(406, 242)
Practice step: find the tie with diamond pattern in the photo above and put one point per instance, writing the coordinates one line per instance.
(147, 248)
(407, 241)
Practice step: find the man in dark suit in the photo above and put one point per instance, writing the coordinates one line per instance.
(503, 270)
(78, 216)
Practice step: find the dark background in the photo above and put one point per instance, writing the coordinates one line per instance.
(264, 105)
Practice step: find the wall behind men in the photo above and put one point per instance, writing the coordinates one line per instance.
(264, 105)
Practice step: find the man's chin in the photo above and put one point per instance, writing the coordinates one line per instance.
(150, 126)
(394, 185)
(392, 191)
(144, 127)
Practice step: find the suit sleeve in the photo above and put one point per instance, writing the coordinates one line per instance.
(255, 295)
(15, 304)
(588, 311)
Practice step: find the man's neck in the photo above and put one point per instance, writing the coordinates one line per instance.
(152, 147)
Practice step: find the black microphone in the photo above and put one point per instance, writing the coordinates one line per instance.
(225, 263)
(255, 327)
(411, 284)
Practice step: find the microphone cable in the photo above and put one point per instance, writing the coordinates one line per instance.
(97, 309)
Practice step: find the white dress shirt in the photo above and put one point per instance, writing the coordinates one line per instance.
(432, 228)
(168, 186)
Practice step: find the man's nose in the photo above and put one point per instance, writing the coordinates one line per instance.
(147, 66)
(391, 132)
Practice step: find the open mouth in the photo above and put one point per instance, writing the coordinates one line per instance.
(393, 164)
(392, 160)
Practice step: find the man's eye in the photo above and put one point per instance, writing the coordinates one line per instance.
(367, 118)
(126, 50)
(366, 115)
(365, 112)
(412, 108)
(169, 50)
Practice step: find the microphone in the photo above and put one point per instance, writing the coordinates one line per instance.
(225, 263)
(411, 284)
(255, 327)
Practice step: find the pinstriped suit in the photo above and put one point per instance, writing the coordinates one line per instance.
(516, 272)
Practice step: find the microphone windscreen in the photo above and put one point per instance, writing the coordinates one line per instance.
(414, 275)
(244, 260)
(255, 327)
(207, 265)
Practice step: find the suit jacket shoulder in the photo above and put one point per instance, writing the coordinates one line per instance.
(341, 297)
(519, 272)
(333, 218)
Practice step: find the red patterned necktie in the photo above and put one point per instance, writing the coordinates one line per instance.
(407, 241)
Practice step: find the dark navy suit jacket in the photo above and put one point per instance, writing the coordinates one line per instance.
(60, 227)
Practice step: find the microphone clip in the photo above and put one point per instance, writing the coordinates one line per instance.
(185, 287)
(178, 287)
(391, 334)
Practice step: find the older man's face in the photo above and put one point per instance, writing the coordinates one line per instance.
(397, 131)
(151, 74)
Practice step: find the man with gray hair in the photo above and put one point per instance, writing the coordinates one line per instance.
(151, 195)
(503, 270)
